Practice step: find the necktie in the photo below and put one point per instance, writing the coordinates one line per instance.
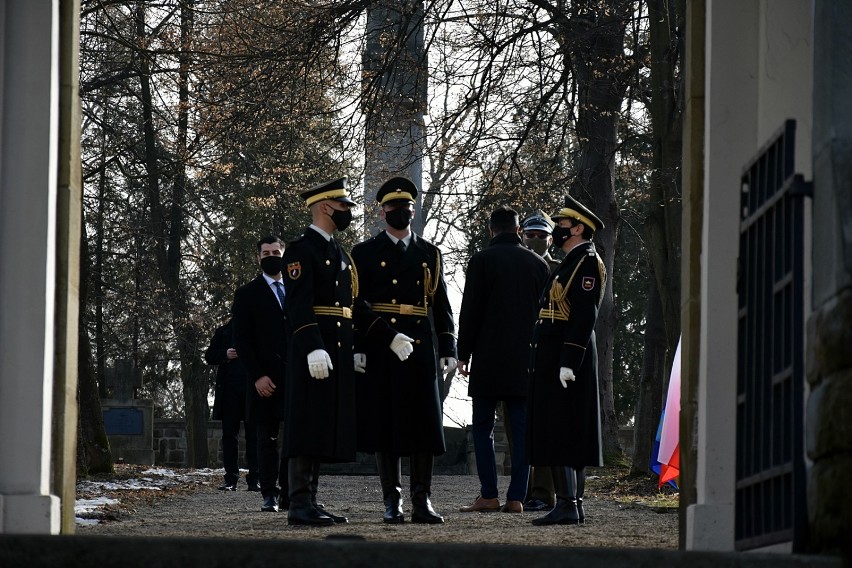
(279, 290)
(400, 244)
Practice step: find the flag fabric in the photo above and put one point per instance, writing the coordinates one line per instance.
(665, 453)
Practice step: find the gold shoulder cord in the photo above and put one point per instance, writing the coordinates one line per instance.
(430, 284)
(558, 294)
(602, 273)
(354, 277)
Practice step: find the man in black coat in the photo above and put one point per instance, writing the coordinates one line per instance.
(502, 287)
(564, 429)
(229, 406)
(320, 400)
(401, 278)
(260, 334)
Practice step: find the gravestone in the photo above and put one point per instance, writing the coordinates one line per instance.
(128, 421)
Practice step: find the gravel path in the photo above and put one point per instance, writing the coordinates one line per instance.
(614, 517)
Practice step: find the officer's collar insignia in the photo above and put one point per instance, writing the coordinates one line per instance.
(294, 270)
(588, 283)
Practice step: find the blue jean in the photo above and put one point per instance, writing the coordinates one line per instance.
(484, 410)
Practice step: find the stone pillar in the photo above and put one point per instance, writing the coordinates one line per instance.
(829, 357)
(29, 139)
(731, 62)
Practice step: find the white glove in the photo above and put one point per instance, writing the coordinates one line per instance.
(565, 375)
(360, 362)
(448, 365)
(319, 363)
(402, 346)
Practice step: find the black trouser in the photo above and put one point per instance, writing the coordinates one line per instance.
(272, 469)
(233, 411)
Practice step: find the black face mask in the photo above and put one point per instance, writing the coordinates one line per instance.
(398, 218)
(341, 219)
(271, 265)
(560, 235)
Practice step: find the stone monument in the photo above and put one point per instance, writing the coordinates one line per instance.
(128, 421)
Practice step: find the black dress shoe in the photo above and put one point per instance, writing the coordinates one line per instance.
(283, 503)
(307, 516)
(270, 504)
(424, 513)
(393, 512)
(228, 487)
(536, 505)
(335, 518)
(253, 486)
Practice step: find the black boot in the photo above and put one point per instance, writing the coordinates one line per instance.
(319, 506)
(302, 511)
(389, 476)
(421, 489)
(581, 490)
(565, 511)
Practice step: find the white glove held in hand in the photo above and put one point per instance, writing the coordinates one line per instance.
(565, 375)
(448, 365)
(360, 362)
(402, 346)
(319, 363)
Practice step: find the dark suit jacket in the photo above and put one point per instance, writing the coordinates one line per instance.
(260, 334)
(502, 288)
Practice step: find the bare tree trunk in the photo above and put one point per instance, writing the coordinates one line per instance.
(663, 223)
(93, 452)
(167, 239)
(596, 39)
(649, 403)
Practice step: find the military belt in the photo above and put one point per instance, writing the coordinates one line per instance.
(544, 313)
(401, 309)
(333, 311)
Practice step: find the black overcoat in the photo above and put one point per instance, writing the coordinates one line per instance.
(320, 413)
(399, 402)
(230, 373)
(563, 424)
(260, 337)
(503, 285)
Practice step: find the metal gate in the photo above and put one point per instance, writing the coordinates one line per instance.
(770, 471)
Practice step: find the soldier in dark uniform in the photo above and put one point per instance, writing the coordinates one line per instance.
(320, 283)
(538, 236)
(399, 412)
(564, 413)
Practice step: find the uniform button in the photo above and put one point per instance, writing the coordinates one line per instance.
(337, 303)
(418, 282)
(328, 263)
(338, 344)
(418, 321)
(393, 320)
(336, 283)
(382, 264)
(417, 341)
(394, 281)
(424, 265)
(418, 303)
(393, 301)
(338, 324)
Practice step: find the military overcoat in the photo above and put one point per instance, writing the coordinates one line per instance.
(399, 404)
(564, 423)
(320, 413)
